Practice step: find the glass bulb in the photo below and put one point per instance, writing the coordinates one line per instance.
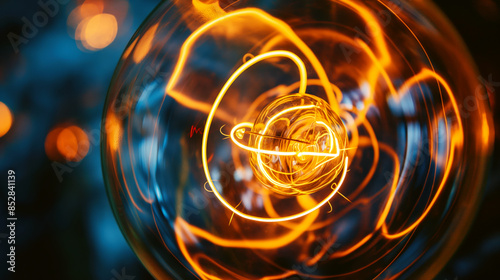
(295, 139)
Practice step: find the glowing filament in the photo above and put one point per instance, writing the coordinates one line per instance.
(311, 160)
(295, 150)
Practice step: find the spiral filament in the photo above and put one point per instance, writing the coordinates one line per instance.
(294, 144)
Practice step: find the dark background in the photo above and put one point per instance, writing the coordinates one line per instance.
(65, 227)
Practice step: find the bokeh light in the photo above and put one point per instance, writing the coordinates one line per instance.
(67, 143)
(99, 31)
(6, 119)
(94, 28)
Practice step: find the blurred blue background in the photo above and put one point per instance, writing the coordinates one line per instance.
(56, 62)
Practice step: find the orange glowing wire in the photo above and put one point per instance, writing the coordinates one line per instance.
(279, 25)
(302, 89)
(379, 60)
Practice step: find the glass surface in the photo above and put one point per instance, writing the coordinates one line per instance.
(217, 169)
